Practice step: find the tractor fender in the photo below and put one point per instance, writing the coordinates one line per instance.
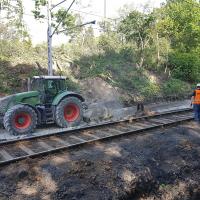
(63, 95)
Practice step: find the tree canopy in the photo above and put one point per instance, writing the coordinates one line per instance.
(164, 41)
(180, 22)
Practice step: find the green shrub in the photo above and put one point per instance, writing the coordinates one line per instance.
(128, 53)
(185, 66)
(109, 43)
(150, 90)
(175, 87)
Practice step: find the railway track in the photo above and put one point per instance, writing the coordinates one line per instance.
(36, 146)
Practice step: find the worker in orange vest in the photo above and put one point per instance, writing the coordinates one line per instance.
(195, 101)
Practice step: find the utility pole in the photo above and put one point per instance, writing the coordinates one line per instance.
(105, 9)
(50, 33)
(49, 39)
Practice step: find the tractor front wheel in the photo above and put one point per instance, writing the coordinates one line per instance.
(20, 119)
(69, 112)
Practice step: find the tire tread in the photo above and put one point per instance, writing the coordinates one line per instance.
(59, 110)
(7, 118)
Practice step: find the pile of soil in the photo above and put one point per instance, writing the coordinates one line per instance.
(155, 165)
(98, 90)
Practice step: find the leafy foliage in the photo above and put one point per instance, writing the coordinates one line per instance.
(176, 87)
(38, 5)
(163, 43)
(180, 23)
(61, 17)
(67, 20)
(137, 27)
(185, 66)
(13, 19)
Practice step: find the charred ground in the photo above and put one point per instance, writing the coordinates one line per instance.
(156, 165)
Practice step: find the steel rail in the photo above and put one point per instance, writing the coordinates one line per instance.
(154, 123)
(94, 126)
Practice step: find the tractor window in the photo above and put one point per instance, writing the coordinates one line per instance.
(36, 85)
(54, 86)
(51, 87)
(62, 85)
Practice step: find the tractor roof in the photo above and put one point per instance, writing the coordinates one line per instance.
(49, 77)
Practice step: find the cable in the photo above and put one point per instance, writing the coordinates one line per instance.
(92, 14)
(54, 6)
(88, 13)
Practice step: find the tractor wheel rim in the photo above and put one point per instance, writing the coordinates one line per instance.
(22, 120)
(71, 112)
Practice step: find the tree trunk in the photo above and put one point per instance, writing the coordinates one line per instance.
(141, 47)
(158, 49)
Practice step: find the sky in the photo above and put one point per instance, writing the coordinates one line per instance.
(89, 10)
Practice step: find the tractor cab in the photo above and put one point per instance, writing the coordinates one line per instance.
(48, 86)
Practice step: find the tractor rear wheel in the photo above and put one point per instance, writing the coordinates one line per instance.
(69, 112)
(20, 119)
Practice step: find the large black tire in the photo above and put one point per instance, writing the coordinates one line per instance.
(20, 119)
(65, 119)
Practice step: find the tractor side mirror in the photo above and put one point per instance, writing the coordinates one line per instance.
(29, 84)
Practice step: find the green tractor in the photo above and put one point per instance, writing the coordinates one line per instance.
(47, 101)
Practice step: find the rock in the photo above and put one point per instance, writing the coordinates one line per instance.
(22, 174)
(97, 112)
(88, 163)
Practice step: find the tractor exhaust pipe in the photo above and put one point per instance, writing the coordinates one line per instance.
(29, 84)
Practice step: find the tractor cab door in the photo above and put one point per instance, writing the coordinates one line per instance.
(37, 85)
(51, 90)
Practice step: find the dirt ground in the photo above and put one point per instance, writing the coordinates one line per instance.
(156, 165)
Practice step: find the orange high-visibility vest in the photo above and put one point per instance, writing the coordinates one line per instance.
(197, 97)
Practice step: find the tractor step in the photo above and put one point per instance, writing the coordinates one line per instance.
(49, 122)
(49, 115)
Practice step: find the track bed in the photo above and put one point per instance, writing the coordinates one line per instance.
(16, 150)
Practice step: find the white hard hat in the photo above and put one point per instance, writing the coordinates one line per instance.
(198, 84)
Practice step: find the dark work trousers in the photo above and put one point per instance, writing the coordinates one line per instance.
(196, 108)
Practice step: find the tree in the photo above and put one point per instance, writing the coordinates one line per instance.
(180, 23)
(12, 13)
(136, 28)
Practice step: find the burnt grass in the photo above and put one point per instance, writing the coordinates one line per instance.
(161, 165)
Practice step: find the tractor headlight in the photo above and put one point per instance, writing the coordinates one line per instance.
(4, 104)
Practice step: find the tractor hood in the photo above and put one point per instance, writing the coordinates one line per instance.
(31, 97)
(27, 94)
